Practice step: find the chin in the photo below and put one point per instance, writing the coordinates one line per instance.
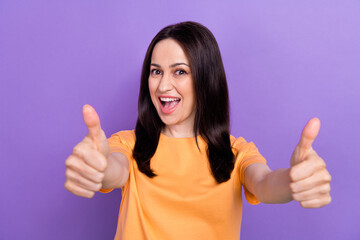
(168, 121)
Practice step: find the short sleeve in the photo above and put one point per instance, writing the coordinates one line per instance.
(246, 154)
(124, 142)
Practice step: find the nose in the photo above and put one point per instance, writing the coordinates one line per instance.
(165, 83)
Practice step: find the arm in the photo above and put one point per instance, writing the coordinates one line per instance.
(306, 181)
(268, 186)
(117, 171)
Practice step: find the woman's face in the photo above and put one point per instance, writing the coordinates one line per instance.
(171, 86)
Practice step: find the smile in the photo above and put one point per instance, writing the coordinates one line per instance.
(168, 104)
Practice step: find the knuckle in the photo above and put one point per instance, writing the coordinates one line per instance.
(67, 174)
(292, 174)
(296, 197)
(292, 177)
(91, 194)
(303, 204)
(327, 200)
(293, 188)
(66, 185)
(69, 162)
(80, 149)
(99, 177)
(98, 187)
(323, 164)
(69, 187)
(328, 176)
(325, 189)
(323, 203)
(319, 160)
(77, 150)
(102, 163)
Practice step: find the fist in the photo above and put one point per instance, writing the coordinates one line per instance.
(86, 165)
(310, 180)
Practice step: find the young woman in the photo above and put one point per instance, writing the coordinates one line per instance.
(180, 170)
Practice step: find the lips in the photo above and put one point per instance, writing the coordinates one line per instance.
(168, 104)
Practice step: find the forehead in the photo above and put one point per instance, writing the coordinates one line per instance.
(168, 51)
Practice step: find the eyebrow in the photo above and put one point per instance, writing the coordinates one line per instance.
(172, 65)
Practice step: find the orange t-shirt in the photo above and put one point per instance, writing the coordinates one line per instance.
(183, 201)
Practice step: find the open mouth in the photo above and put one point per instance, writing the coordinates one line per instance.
(168, 104)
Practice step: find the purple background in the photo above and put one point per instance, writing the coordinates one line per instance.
(285, 62)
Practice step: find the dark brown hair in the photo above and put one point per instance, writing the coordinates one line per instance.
(212, 101)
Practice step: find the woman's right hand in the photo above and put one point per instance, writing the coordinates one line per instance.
(85, 167)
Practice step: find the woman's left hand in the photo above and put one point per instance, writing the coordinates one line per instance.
(310, 180)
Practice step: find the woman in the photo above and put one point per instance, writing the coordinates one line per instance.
(180, 171)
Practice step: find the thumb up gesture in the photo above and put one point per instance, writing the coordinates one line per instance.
(310, 180)
(86, 165)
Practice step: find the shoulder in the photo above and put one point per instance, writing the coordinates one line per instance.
(126, 137)
(126, 134)
(240, 144)
(242, 148)
(245, 151)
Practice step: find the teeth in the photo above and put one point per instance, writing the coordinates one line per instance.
(169, 99)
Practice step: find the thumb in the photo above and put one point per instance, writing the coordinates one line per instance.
(309, 133)
(92, 122)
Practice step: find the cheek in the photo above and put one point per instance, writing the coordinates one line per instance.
(152, 89)
(189, 92)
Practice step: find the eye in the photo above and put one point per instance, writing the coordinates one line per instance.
(155, 72)
(180, 72)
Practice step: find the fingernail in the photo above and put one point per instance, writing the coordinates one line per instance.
(86, 108)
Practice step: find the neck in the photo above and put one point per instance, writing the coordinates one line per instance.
(178, 132)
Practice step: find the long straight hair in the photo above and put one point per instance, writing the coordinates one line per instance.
(212, 100)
